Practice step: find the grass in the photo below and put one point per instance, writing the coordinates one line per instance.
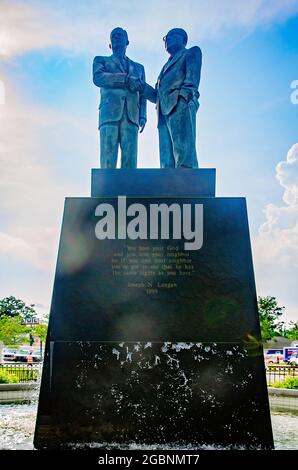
(7, 378)
(290, 383)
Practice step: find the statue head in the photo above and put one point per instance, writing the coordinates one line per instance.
(175, 40)
(119, 40)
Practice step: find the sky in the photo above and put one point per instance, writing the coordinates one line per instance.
(247, 125)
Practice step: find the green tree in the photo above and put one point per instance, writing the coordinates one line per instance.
(292, 331)
(269, 315)
(12, 332)
(40, 331)
(12, 307)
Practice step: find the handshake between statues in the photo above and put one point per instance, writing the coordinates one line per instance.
(135, 84)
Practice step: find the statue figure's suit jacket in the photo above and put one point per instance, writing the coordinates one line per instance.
(110, 75)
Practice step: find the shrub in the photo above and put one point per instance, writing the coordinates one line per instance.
(290, 382)
(6, 378)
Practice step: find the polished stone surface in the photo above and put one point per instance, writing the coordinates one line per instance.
(152, 289)
(167, 182)
(155, 393)
(109, 374)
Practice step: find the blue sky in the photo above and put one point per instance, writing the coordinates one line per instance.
(247, 124)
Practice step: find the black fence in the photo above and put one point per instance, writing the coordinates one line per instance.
(279, 373)
(28, 372)
(23, 372)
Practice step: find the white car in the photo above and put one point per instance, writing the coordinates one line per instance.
(293, 360)
(8, 355)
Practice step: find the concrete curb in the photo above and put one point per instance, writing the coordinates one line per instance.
(18, 392)
(283, 392)
(18, 386)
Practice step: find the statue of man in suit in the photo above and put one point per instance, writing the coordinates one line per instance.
(122, 109)
(176, 96)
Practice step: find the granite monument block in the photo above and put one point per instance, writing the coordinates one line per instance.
(154, 335)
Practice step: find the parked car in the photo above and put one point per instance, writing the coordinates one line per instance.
(275, 358)
(293, 360)
(8, 355)
(22, 356)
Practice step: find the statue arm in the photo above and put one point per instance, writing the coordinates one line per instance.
(149, 93)
(193, 73)
(143, 101)
(104, 79)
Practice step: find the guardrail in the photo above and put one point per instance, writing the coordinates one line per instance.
(280, 372)
(24, 372)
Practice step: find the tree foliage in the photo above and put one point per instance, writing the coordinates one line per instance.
(13, 312)
(292, 331)
(40, 331)
(12, 332)
(269, 315)
(12, 307)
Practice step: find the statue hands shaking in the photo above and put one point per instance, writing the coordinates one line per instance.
(135, 84)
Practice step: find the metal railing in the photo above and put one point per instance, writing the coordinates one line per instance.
(24, 372)
(27, 373)
(280, 372)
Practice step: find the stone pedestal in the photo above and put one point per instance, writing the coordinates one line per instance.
(150, 342)
(168, 182)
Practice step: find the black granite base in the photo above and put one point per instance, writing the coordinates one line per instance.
(174, 394)
(149, 342)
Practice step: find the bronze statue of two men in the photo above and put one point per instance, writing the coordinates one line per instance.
(124, 91)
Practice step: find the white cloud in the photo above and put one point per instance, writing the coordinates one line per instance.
(34, 246)
(14, 246)
(83, 26)
(276, 245)
(32, 185)
(287, 175)
(29, 196)
(279, 233)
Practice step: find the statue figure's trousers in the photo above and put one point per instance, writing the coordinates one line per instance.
(113, 134)
(177, 136)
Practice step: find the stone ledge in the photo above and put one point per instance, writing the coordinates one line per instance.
(18, 386)
(283, 392)
(153, 182)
